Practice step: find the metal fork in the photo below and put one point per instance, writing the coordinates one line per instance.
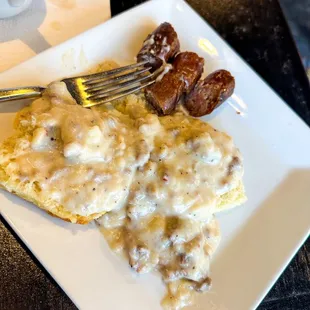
(94, 89)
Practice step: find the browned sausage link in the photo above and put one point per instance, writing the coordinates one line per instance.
(210, 93)
(190, 66)
(165, 94)
(161, 45)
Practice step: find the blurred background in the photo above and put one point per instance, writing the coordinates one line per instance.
(297, 13)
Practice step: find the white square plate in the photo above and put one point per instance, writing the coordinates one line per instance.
(259, 238)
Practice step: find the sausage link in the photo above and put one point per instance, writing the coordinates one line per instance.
(165, 94)
(159, 46)
(190, 66)
(210, 93)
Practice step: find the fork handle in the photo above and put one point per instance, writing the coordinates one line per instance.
(27, 92)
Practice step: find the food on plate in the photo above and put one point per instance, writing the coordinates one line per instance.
(202, 97)
(190, 68)
(164, 95)
(61, 157)
(157, 181)
(160, 46)
(153, 183)
(58, 157)
(209, 93)
(168, 224)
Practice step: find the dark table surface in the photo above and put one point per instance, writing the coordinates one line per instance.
(257, 30)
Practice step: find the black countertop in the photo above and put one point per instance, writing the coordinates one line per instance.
(257, 30)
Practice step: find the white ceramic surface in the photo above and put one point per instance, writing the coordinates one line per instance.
(259, 238)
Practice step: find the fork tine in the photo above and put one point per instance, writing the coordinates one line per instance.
(107, 87)
(100, 91)
(119, 95)
(94, 85)
(93, 77)
(120, 88)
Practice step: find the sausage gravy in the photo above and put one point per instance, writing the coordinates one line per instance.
(157, 178)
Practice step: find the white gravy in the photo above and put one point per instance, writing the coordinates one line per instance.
(158, 178)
